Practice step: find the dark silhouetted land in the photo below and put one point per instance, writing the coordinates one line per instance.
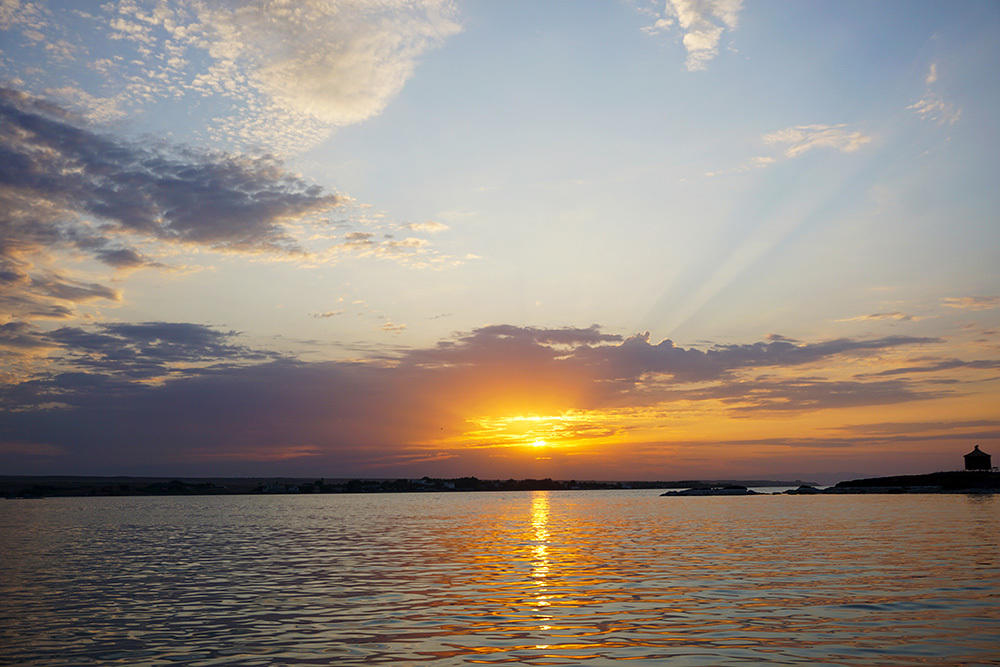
(955, 481)
(67, 486)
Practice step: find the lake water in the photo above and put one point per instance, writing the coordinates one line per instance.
(539, 578)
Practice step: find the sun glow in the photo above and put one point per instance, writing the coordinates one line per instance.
(567, 430)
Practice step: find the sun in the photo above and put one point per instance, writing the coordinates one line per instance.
(539, 443)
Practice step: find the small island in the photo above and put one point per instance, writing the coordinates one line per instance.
(724, 490)
(979, 476)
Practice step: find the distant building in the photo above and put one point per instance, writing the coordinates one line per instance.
(977, 460)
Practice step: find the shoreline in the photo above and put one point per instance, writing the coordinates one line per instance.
(68, 486)
(952, 481)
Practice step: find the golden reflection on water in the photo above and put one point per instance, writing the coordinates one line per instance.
(540, 564)
(536, 578)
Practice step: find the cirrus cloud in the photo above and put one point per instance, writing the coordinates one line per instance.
(972, 302)
(799, 139)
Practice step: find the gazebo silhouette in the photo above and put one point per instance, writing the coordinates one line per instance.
(977, 459)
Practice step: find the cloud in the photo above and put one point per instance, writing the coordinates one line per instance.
(591, 335)
(148, 349)
(895, 315)
(241, 405)
(337, 62)
(943, 365)
(972, 302)
(932, 106)
(802, 138)
(64, 187)
(14, 13)
(932, 74)
(921, 429)
(702, 23)
(326, 314)
(289, 72)
(799, 394)
(430, 226)
(225, 202)
(93, 108)
(20, 335)
(30, 449)
(124, 258)
(45, 295)
(636, 356)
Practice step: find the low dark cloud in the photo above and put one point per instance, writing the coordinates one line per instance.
(219, 404)
(592, 335)
(125, 258)
(149, 349)
(965, 428)
(20, 335)
(65, 289)
(636, 356)
(942, 365)
(801, 394)
(46, 295)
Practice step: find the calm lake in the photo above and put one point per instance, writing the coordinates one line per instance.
(539, 578)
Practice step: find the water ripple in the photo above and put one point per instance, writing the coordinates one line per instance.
(500, 578)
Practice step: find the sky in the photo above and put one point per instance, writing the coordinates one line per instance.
(579, 240)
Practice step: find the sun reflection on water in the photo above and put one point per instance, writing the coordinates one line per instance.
(540, 562)
(517, 578)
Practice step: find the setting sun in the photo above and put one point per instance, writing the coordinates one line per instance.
(457, 331)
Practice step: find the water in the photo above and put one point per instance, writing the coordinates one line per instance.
(539, 578)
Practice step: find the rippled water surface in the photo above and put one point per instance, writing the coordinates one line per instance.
(540, 578)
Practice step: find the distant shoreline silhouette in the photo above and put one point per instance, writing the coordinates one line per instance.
(28, 486)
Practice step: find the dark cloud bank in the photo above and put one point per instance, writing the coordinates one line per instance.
(224, 201)
(221, 407)
(63, 186)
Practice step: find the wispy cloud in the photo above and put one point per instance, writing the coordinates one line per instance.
(702, 23)
(932, 74)
(762, 395)
(972, 302)
(932, 106)
(943, 365)
(430, 227)
(874, 317)
(799, 139)
(796, 140)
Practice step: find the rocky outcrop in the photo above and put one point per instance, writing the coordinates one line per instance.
(731, 490)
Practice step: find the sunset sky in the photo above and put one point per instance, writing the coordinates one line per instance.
(591, 240)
